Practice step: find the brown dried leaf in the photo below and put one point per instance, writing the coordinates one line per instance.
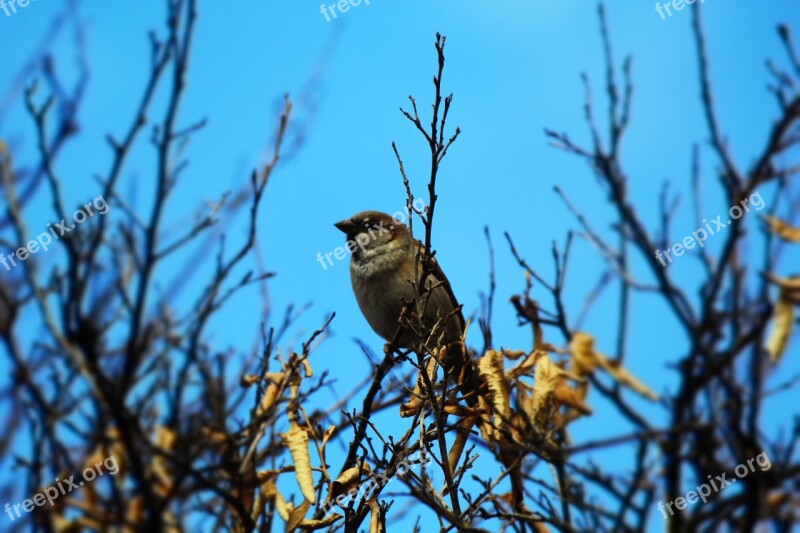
(548, 377)
(297, 442)
(268, 400)
(248, 380)
(463, 428)
(790, 286)
(490, 368)
(327, 436)
(619, 373)
(782, 229)
(572, 398)
(526, 366)
(375, 517)
(347, 480)
(584, 360)
(783, 323)
(297, 515)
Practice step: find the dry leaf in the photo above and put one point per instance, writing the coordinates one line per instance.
(583, 357)
(347, 480)
(548, 377)
(297, 441)
(572, 398)
(783, 323)
(249, 379)
(375, 517)
(782, 229)
(490, 368)
(462, 436)
(619, 373)
(296, 515)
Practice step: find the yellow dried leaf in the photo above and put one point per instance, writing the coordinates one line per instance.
(411, 407)
(268, 400)
(347, 480)
(487, 431)
(297, 442)
(584, 359)
(249, 379)
(782, 326)
(463, 428)
(790, 287)
(268, 475)
(571, 398)
(296, 515)
(526, 366)
(321, 523)
(327, 436)
(458, 409)
(514, 354)
(548, 377)
(490, 368)
(782, 229)
(619, 373)
(375, 517)
(307, 367)
(282, 506)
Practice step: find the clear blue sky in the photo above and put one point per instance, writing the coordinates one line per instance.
(514, 68)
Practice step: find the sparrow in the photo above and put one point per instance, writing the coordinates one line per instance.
(386, 264)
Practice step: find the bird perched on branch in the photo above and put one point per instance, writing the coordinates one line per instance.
(386, 264)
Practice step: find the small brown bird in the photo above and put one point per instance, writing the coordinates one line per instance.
(386, 261)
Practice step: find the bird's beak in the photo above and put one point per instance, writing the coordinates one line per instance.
(346, 226)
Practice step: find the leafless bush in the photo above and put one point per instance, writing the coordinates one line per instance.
(121, 371)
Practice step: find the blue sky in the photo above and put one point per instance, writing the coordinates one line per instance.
(514, 68)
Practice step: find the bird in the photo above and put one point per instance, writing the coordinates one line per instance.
(385, 265)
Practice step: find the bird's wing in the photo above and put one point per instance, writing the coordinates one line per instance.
(440, 277)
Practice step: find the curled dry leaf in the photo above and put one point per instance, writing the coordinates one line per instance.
(375, 525)
(282, 506)
(585, 360)
(572, 398)
(619, 373)
(307, 367)
(490, 368)
(296, 515)
(526, 366)
(790, 287)
(782, 229)
(297, 441)
(463, 428)
(322, 523)
(248, 380)
(411, 407)
(487, 430)
(327, 436)
(270, 397)
(347, 480)
(549, 377)
(783, 316)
